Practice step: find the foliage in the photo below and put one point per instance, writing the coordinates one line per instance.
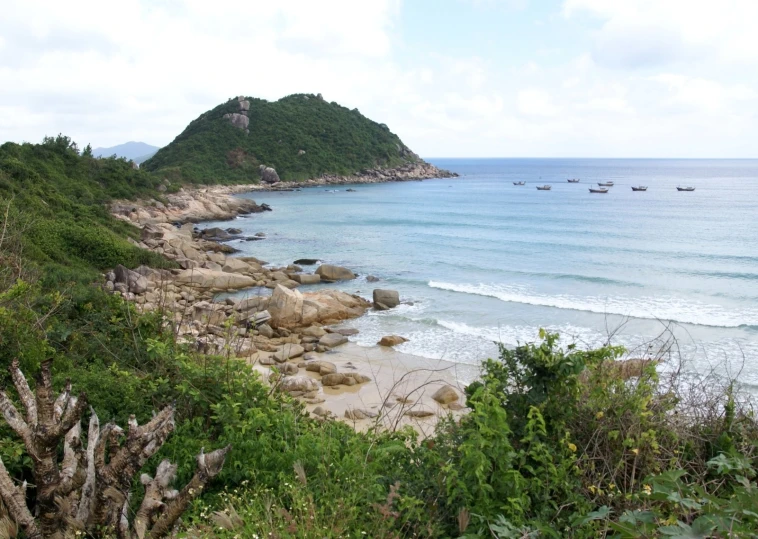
(58, 198)
(334, 139)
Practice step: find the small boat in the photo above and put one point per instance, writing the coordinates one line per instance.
(639, 188)
(606, 184)
(544, 187)
(600, 190)
(575, 180)
(685, 188)
(519, 183)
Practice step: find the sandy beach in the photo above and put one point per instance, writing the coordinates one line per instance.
(402, 385)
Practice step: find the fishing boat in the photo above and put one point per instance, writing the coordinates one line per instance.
(575, 180)
(639, 188)
(544, 187)
(606, 184)
(685, 188)
(600, 190)
(519, 183)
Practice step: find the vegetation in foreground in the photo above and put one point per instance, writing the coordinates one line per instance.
(301, 136)
(555, 444)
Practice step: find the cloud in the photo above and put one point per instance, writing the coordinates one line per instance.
(642, 33)
(598, 78)
(536, 102)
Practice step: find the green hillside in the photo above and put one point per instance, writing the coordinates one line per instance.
(301, 136)
(60, 197)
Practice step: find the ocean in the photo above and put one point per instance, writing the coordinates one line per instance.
(481, 261)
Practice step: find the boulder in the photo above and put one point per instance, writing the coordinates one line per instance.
(328, 272)
(313, 331)
(387, 298)
(135, 283)
(322, 367)
(356, 415)
(268, 174)
(320, 411)
(206, 279)
(306, 261)
(305, 278)
(372, 279)
(330, 340)
(208, 313)
(347, 379)
(256, 303)
(288, 369)
(288, 351)
(238, 120)
(391, 340)
(328, 306)
(419, 413)
(286, 307)
(235, 265)
(299, 383)
(446, 395)
(266, 331)
(347, 332)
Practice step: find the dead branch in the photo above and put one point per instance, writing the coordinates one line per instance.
(90, 488)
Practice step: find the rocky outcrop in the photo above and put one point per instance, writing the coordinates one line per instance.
(330, 273)
(187, 206)
(239, 119)
(269, 175)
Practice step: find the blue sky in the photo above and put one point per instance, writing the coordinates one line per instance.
(454, 78)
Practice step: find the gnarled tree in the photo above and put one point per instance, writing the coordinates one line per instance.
(88, 489)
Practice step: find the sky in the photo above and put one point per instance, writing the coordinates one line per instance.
(453, 78)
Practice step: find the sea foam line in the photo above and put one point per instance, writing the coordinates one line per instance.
(663, 308)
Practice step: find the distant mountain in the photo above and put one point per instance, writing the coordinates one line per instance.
(136, 151)
(301, 136)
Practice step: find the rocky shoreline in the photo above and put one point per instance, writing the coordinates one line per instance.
(218, 203)
(287, 335)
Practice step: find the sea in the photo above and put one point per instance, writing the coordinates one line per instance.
(480, 262)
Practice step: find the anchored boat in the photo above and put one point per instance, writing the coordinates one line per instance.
(519, 183)
(639, 188)
(606, 184)
(544, 187)
(685, 188)
(575, 180)
(599, 190)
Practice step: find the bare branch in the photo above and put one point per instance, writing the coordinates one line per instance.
(88, 490)
(208, 466)
(13, 498)
(26, 395)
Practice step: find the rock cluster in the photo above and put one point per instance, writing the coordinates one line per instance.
(268, 330)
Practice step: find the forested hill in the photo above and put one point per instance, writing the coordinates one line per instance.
(301, 136)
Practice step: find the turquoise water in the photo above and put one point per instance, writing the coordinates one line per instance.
(484, 260)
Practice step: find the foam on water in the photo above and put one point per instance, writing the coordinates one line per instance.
(657, 308)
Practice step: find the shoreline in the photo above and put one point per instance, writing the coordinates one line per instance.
(298, 340)
(197, 204)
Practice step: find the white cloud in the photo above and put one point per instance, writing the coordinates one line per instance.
(536, 102)
(654, 32)
(660, 77)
